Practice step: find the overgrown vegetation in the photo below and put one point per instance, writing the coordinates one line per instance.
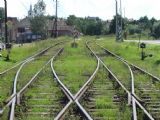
(143, 28)
(75, 66)
(43, 100)
(132, 53)
(88, 25)
(104, 100)
(116, 66)
(6, 81)
(20, 53)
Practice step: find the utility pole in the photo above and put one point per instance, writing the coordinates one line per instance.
(6, 27)
(8, 46)
(121, 20)
(116, 22)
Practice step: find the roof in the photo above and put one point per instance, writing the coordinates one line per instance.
(24, 22)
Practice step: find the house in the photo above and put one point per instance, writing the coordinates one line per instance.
(12, 28)
(24, 33)
(62, 28)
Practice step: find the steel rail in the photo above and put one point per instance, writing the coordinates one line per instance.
(65, 90)
(132, 85)
(36, 54)
(24, 61)
(142, 70)
(135, 99)
(76, 97)
(145, 111)
(33, 78)
(123, 87)
(15, 89)
(12, 97)
(60, 83)
(8, 101)
(85, 87)
(129, 94)
(82, 89)
(83, 110)
(17, 95)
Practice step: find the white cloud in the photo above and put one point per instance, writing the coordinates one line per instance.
(102, 8)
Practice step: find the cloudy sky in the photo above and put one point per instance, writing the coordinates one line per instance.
(104, 9)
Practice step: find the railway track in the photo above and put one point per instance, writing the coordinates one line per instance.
(43, 100)
(21, 62)
(146, 88)
(12, 99)
(103, 96)
(73, 109)
(141, 82)
(104, 101)
(74, 66)
(8, 76)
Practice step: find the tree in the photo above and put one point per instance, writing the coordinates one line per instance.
(71, 20)
(93, 27)
(112, 26)
(152, 21)
(144, 23)
(88, 25)
(39, 8)
(156, 31)
(2, 13)
(38, 22)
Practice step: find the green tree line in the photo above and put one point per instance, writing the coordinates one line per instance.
(96, 26)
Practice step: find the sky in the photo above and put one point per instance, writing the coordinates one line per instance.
(105, 9)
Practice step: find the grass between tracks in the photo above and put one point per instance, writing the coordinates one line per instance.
(27, 72)
(132, 53)
(116, 66)
(75, 66)
(20, 53)
(44, 97)
(104, 100)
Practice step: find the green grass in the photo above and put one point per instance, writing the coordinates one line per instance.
(105, 107)
(31, 68)
(116, 66)
(26, 73)
(5, 115)
(130, 52)
(20, 53)
(33, 96)
(6, 82)
(75, 66)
